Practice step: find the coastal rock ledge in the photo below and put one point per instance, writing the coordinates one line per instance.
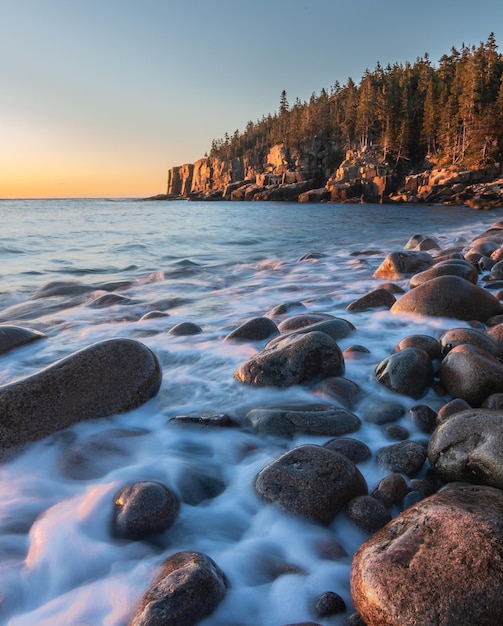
(316, 172)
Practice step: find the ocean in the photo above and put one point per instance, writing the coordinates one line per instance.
(216, 265)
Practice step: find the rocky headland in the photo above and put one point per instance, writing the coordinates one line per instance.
(316, 173)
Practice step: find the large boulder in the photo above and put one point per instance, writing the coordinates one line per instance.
(294, 360)
(468, 446)
(106, 378)
(449, 296)
(189, 587)
(311, 481)
(439, 562)
(399, 265)
(472, 374)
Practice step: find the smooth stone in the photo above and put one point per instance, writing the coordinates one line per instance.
(301, 320)
(354, 449)
(450, 267)
(329, 603)
(185, 328)
(449, 296)
(196, 485)
(469, 447)
(310, 481)
(337, 328)
(110, 299)
(378, 298)
(494, 401)
(496, 332)
(153, 315)
(343, 390)
(422, 486)
(423, 417)
(382, 412)
(400, 265)
(219, 420)
(189, 588)
(282, 309)
(408, 372)
(308, 419)
(256, 329)
(421, 242)
(15, 336)
(472, 374)
(429, 344)
(450, 408)
(395, 432)
(106, 378)
(457, 336)
(391, 489)
(355, 351)
(63, 288)
(295, 360)
(143, 509)
(438, 562)
(405, 457)
(367, 513)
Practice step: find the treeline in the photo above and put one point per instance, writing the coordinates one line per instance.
(452, 112)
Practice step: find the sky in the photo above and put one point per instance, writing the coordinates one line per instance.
(99, 98)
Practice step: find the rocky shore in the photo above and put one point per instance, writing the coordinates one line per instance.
(434, 547)
(308, 175)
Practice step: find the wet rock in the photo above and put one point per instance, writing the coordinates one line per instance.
(354, 449)
(449, 267)
(400, 265)
(450, 408)
(219, 420)
(391, 489)
(382, 412)
(63, 288)
(469, 447)
(494, 401)
(457, 336)
(106, 378)
(153, 315)
(421, 486)
(256, 329)
(378, 298)
(307, 419)
(189, 588)
(302, 320)
(337, 328)
(185, 328)
(438, 562)
(395, 432)
(471, 374)
(311, 481)
(367, 513)
(294, 360)
(405, 457)
(195, 485)
(329, 603)
(449, 296)
(409, 372)
(429, 344)
(355, 351)
(282, 309)
(110, 299)
(99, 453)
(421, 242)
(423, 417)
(496, 332)
(343, 390)
(143, 509)
(15, 336)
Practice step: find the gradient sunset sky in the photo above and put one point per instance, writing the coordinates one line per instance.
(98, 98)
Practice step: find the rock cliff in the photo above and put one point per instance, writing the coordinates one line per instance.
(317, 172)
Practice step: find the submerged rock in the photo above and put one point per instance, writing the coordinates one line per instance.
(106, 378)
(15, 336)
(439, 562)
(189, 588)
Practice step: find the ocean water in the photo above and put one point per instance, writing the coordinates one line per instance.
(218, 265)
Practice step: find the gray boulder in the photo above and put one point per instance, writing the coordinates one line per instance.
(294, 360)
(409, 372)
(311, 481)
(106, 378)
(189, 588)
(468, 446)
(438, 562)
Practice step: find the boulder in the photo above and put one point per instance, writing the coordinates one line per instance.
(449, 296)
(468, 447)
(367, 513)
(256, 329)
(16, 336)
(106, 378)
(378, 298)
(143, 509)
(409, 372)
(405, 457)
(308, 419)
(189, 587)
(294, 360)
(457, 336)
(311, 481)
(400, 265)
(438, 562)
(337, 328)
(354, 449)
(429, 344)
(450, 267)
(472, 374)
(185, 328)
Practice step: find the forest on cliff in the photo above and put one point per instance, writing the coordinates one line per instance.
(451, 113)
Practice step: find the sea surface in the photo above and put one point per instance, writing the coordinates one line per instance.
(217, 265)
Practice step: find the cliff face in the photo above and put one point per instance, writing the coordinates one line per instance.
(315, 172)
